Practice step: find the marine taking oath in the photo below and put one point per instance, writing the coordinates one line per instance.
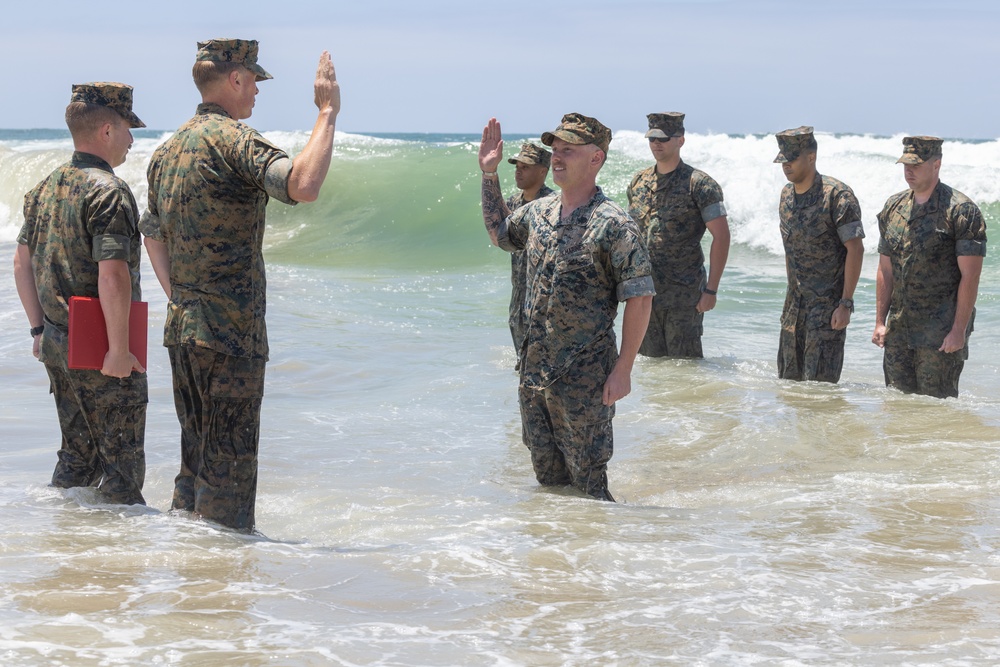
(584, 256)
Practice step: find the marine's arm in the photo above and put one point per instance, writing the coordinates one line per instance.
(883, 297)
(852, 271)
(971, 267)
(114, 288)
(635, 319)
(718, 254)
(160, 259)
(24, 279)
(310, 167)
(495, 209)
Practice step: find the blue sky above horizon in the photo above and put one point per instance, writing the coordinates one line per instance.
(733, 66)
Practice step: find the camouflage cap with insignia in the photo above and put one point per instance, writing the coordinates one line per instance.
(578, 129)
(531, 154)
(242, 51)
(115, 96)
(663, 125)
(792, 143)
(917, 150)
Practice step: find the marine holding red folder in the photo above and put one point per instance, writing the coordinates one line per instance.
(80, 239)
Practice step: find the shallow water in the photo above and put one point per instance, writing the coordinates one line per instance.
(760, 521)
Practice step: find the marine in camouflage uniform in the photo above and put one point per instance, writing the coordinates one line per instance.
(76, 219)
(529, 156)
(579, 267)
(821, 230)
(673, 204)
(932, 244)
(209, 185)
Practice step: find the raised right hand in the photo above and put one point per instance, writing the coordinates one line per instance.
(491, 147)
(326, 88)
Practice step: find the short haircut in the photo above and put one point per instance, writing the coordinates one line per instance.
(207, 72)
(83, 118)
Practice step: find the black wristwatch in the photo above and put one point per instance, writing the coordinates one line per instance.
(847, 303)
(710, 292)
(36, 331)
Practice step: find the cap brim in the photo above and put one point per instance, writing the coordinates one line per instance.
(565, 135)
(657, 134)
(910, 158)
(260, 73)
(133, 120)
(783, 158)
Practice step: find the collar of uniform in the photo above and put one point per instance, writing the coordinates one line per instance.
(212, 107)
(582, 214)
(663, 180)
(810, 196)
(929, 206)
(81, 159)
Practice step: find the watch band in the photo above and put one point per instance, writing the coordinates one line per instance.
(847, 303)
(35, 331)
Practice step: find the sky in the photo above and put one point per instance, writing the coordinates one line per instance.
(879, 67)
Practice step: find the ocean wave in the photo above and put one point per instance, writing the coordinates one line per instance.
(415, 198)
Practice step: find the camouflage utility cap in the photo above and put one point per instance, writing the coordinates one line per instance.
(917, 150)
(578, 129)
(242, 51)
(531, 154)
(793, 143)
(663, 125)
(115, 96)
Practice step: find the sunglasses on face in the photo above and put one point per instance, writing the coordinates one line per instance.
(659, 140)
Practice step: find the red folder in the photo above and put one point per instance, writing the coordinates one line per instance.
(88, 335)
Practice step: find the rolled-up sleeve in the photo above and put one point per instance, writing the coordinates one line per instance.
(513, 232)
(970, 231)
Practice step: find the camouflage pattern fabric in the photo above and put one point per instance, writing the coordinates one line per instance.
(207, 203)
(115, 96)
(578, 270)
(531, 154)
(814, 228)
(518, 269)
(76, 217)
(792, 143)
(103, 424)
(671, 211)
(575, 128)
(242, 51)
(917, 150)
(923, 241)
(923, 370)
(662, 125)
(79, 215)
(218, 399)
(568, 428)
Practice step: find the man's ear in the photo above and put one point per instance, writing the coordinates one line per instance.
(104, 133)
